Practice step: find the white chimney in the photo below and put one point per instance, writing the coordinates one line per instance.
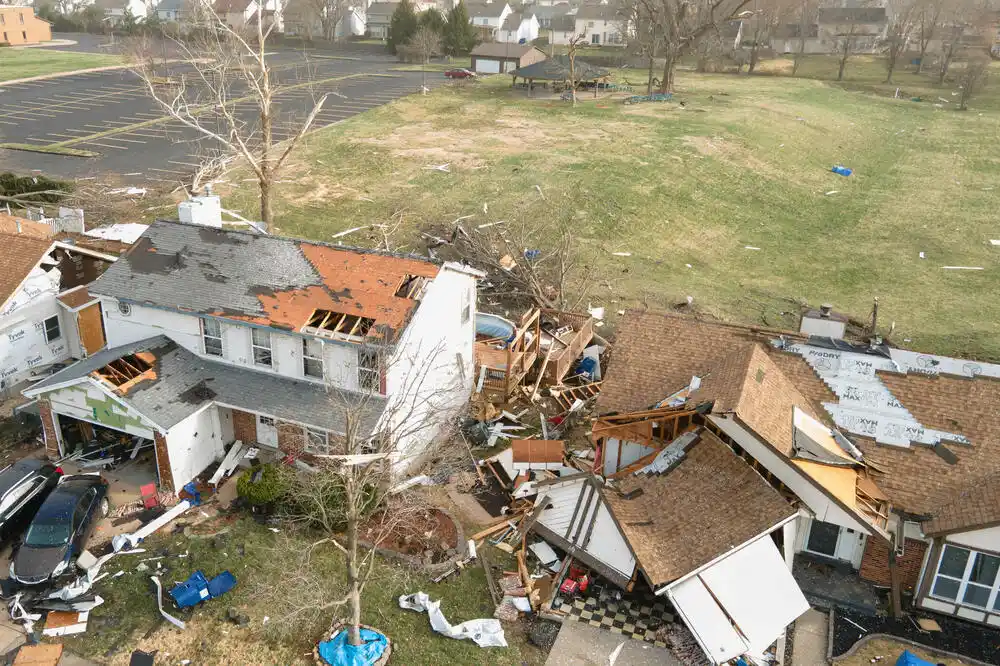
(204, 209)
(823, 323)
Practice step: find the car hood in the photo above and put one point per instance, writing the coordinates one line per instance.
(35, 565)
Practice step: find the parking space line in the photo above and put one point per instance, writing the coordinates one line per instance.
(80, 132)
(187, 164)
(119, 138)
(103, 145)
(165, 170)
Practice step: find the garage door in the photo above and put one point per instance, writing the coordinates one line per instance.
(486, 66)
(741, 604)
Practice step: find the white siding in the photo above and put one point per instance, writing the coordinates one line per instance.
(145, 322)
(608, 545)
(986, 539)
(430, 376)
(630, 452)
(193, 444)
(73, 401)
(818, 502)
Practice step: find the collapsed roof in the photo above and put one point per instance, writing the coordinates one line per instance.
(948, 441)
(268, 280)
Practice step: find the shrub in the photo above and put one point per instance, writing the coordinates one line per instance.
(271, 485)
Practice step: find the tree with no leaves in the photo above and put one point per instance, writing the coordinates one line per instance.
(574, 46)
(767, 16)
(350, 497)
(425, 43)
(972, 78)
(928, 22)
(903, 16)
(807, 14)
(223, 67)
(681, 24)
(329, 13)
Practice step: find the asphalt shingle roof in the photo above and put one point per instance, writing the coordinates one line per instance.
(20, 254)
(557, 69)
(184, 383)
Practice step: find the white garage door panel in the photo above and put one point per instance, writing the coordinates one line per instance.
(487, 66)
(706, 621)
(758, 592)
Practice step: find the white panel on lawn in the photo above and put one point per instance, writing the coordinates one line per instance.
(757, 591)
(865, 405)
(708, 624)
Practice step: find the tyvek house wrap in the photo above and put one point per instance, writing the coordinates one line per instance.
(22, 327)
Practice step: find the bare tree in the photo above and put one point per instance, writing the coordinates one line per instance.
(426, 42)
(807, 20)
(681, 24)
(223, 68)
(574, 45)
(637, 23)
(972, 78)
(329, 13)
(903, 16)
(353, 485)
(846, 43)
(766, 18)
(928, 21)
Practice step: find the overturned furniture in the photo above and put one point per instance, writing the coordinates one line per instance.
(502, 364)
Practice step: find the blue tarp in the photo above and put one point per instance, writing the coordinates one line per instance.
(910, 659)
(338, 652)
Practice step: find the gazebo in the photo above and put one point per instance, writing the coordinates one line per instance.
(556, 69)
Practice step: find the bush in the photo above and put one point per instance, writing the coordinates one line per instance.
(269, 488)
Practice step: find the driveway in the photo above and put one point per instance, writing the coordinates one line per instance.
(579, 644)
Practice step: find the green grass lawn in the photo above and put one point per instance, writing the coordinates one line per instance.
(261, 561)
(745, 162)
(20, 63)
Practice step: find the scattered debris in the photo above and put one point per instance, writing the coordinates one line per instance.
(963, 268)
(622, 254)
(922, 256)
(65, 623)
(750, 247)
(483, 632)
(841, 170)
(197, 588)
(832, 192)
(159, 602)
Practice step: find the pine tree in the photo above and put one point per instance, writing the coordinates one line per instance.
(432, 19)
(459, 35)
(403, 25)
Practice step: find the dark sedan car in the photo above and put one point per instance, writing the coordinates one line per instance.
(60, 529)
(23, 487)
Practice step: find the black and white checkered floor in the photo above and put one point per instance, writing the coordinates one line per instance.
(635, 616)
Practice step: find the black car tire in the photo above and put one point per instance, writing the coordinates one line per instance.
(105, 507)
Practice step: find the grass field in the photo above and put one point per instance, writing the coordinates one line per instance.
(260, 559)
(744, 162)
(19, 63)
(881, 651)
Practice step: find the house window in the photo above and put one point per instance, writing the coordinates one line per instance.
(20, 20)
(3, 21)
(260, 340)
(24, 35)
(317, 441)
(312, 358)
(52, 332)
(823, 538)
(369, 376)
(595, 38)
(968, 577)
(266, 421)
(211, 333)
(466, 306)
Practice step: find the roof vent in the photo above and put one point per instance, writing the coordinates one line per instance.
(823, 323)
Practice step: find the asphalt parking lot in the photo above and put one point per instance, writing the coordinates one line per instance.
(111, 115)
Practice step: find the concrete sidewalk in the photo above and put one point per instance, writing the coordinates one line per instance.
(579, 644)
(811, 638)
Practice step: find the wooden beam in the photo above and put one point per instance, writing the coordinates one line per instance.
(355, 327)
(325, 319)
(343, 318)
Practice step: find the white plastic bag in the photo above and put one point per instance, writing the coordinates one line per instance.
(483, 632)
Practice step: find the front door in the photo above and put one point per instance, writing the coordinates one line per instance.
(835, 542)
(267, 431)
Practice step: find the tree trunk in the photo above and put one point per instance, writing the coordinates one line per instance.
(799, 56)
(923, 54)
(669, 63)
(353, 578)
(843, 59)
(946, 63)
(891, 65)
(754, 55)
(649, 77)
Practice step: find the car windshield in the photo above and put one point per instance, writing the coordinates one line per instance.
(42, 535)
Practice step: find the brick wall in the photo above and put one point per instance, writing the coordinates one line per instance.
(49, 430)
(244, 426)
(875, 563)
(291, 438)
(163, 463)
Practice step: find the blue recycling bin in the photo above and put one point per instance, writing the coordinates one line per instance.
(192, 591)
(221, 584)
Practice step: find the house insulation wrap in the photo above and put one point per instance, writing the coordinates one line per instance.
(22, 341)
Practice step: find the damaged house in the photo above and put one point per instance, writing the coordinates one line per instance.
(216, 336)
(47, 316)
(873, 461)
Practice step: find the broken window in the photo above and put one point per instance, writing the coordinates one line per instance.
(52, 332)
(369, 374)
(211, 333)
(338, 324)
(316, 441)
(466, 306)
(412, 287)
(123, 370)
(312, 358)
(260, 340)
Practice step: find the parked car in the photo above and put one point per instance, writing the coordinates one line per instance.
(460, 73)
(23, 487)
(60, 529)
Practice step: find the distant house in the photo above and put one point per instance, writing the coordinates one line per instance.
(379, 16)
(545, 14)
(240, 14)
(19, 25)
(600, 25)
(488, 17)
(561, 29)
(788, 39)
(116, 10)
(864, 26)
(494, 58)
(303, 19)
(518, 28)
(173, 10)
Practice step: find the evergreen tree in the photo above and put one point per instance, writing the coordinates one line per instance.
(459, 35)
(432, 19)
(403, 25)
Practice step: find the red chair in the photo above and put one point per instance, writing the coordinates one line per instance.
(149, 497)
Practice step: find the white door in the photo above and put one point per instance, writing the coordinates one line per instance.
(835, 542)
(487, 66)
(267, 432)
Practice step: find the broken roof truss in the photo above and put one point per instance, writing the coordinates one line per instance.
(125, 372)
